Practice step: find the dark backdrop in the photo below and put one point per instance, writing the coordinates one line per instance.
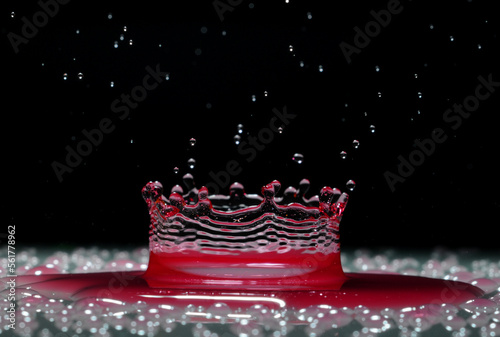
(438, 49)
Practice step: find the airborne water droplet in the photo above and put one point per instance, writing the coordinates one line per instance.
(12, 14)
(112, 84)
(343, 155)
(309, 15)
(80, 76)
(176, 170)
(65, 76)
(280, 129)
(290, 47)
(192, 141)
(377, 69)
(351, 184)
(452, 38)
(240, 128)
(298, 158)
(124, 28)
(131, 42)
(237, 139)
(372, 128)
(320, 68)
(355, 144)
(419, 94)
(116, 44)
(254, 98)
(191, 163)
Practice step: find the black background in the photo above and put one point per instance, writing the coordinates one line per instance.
(450, 200)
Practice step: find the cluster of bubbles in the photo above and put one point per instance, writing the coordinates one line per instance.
(40, 313)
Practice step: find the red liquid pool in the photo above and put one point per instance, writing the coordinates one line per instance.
(376, 291)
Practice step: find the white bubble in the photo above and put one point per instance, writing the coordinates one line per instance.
(192, 141)
(237, 139)
(351, 184)
(191, 163)
(355, 143)
(343, 154)
(80, 76)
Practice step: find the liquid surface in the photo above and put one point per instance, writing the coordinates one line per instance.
(110, 298)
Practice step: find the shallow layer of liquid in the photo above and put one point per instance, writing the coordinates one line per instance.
(370, 290)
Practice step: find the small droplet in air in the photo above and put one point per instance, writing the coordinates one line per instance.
(290, 47)
(377, 69)
(80, 76)
(379, 94)
(124, 28)
(110, 16)
(112, 84)
(265, 93)
(65, 76)
(122, 37)
(224, 33)
(431, 26)
(192, 141)
(239, 127)
(301, 64)
(320, 68)
(78, 31)
(479, 46)
(419, 94)
(309, 15)
(167, 76)
(176, 170)
(355, 143)
(298, 158)
(415, 75)
(203, 30)
(191, 163)
(280, 129)
(343, 154)
(12, 14)
(372, 128)
(351, 184)
(116, 44)
(237, 139)
(130, 42)
(452, 38)
(254, 98)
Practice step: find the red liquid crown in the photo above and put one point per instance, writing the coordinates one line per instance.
(244, 240)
